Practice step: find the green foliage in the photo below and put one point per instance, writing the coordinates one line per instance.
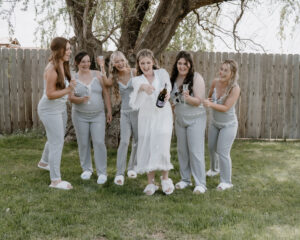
(263, 204)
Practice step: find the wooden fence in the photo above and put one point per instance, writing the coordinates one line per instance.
(269, 105)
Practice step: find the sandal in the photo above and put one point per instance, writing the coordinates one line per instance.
(47, 167)
(131, 174)
(119, 180)
(167, 186)
(223, 186)
(86, 175)
(212, 173)
(150, 189)
(63, 185)
(199, 189)
(182, 185)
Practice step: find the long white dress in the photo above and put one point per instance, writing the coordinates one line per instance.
(154, 124)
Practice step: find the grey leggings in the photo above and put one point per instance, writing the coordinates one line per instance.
(220, 140)
(55, 125)
(128, 125)
(190, 148)
(88, 128)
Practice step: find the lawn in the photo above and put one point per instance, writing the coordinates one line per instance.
(263, 204)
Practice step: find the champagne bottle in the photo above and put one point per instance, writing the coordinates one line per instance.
(161, 97)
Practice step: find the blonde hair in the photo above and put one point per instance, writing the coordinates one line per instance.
(145, 53)
(234, 75)
(113, 71)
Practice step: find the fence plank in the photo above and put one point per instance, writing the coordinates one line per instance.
(28, 89)
(288, 94)
(295, 97)
(257, 95)
(6, 78)
(20, 70)
(251, 91)
(2, 123)
(14, 91)
(34, 86)
(264, 89)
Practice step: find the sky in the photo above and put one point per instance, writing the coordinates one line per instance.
(259, 24)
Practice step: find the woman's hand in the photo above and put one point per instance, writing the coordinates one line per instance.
(72, 84)
(85, 99)
(186, 95)
(108, 117)
(207, 102)
(149, 89)
(167, 97)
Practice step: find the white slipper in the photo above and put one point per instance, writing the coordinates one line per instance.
(102, 179)
(150, 189)
(223, 186)
(167, 186)
(44, 167)
(86, 175)
(212, 173)
(131, 174)
(200, 189)
(63, 185)
(119, 180)
(182, 185)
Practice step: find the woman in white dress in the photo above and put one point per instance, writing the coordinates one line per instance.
(154, 124)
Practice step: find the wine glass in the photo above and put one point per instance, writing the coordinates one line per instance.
(185, 87)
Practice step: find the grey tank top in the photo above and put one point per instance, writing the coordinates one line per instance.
(222, 117)
(94, 90)
(185, 109)
(125, 91)
(53, 105)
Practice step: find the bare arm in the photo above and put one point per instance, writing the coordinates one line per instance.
(211, 90)
(107, 101)
(51, 79)
(77, 100)
(198, 90)
(230, 101)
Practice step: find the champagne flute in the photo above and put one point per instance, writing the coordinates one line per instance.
(185, 87)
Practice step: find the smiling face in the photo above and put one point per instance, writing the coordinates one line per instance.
(68, 52)
(84, 64)
(146, 65)
(183, 66)
(225, 72)
(119, 63)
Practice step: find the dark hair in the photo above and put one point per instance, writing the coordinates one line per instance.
(145, 53)
(189, 79)
(58, 50)
(79, 56)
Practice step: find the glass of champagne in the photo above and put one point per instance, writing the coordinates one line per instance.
(185, 87)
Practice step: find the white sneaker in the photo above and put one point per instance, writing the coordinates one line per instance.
(199, 189)
(102, 179)
(182, 185)
(131, 174)
(212, 173)
(86, 175)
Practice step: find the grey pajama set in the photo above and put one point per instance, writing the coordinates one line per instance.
(221, 134)
(128, 126)
(89, 122)
(53, 114)
(190, 124)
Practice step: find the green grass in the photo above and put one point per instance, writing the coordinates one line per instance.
(264, 203)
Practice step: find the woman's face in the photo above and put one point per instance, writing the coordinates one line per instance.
(225, 72)
(183, 67)
(146, 65)
(119, 63)
(68, 52)
(84, 64)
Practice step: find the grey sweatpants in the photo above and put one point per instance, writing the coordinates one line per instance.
(220, 140)
(55, 125)
(128, 127)
(190, 148)
(87, 128)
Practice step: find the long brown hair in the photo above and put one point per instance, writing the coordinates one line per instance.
(113, 71)
(145, 53)
(58, 50)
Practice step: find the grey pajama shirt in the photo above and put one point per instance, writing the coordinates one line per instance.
(221, 134)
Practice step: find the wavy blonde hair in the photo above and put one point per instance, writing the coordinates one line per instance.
(113, 71)
(233, 81)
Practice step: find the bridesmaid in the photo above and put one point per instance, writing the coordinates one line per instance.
(188, 92)
(120, 79)
(52, 109)
(222, 97)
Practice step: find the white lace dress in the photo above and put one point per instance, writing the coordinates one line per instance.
(154, 124)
